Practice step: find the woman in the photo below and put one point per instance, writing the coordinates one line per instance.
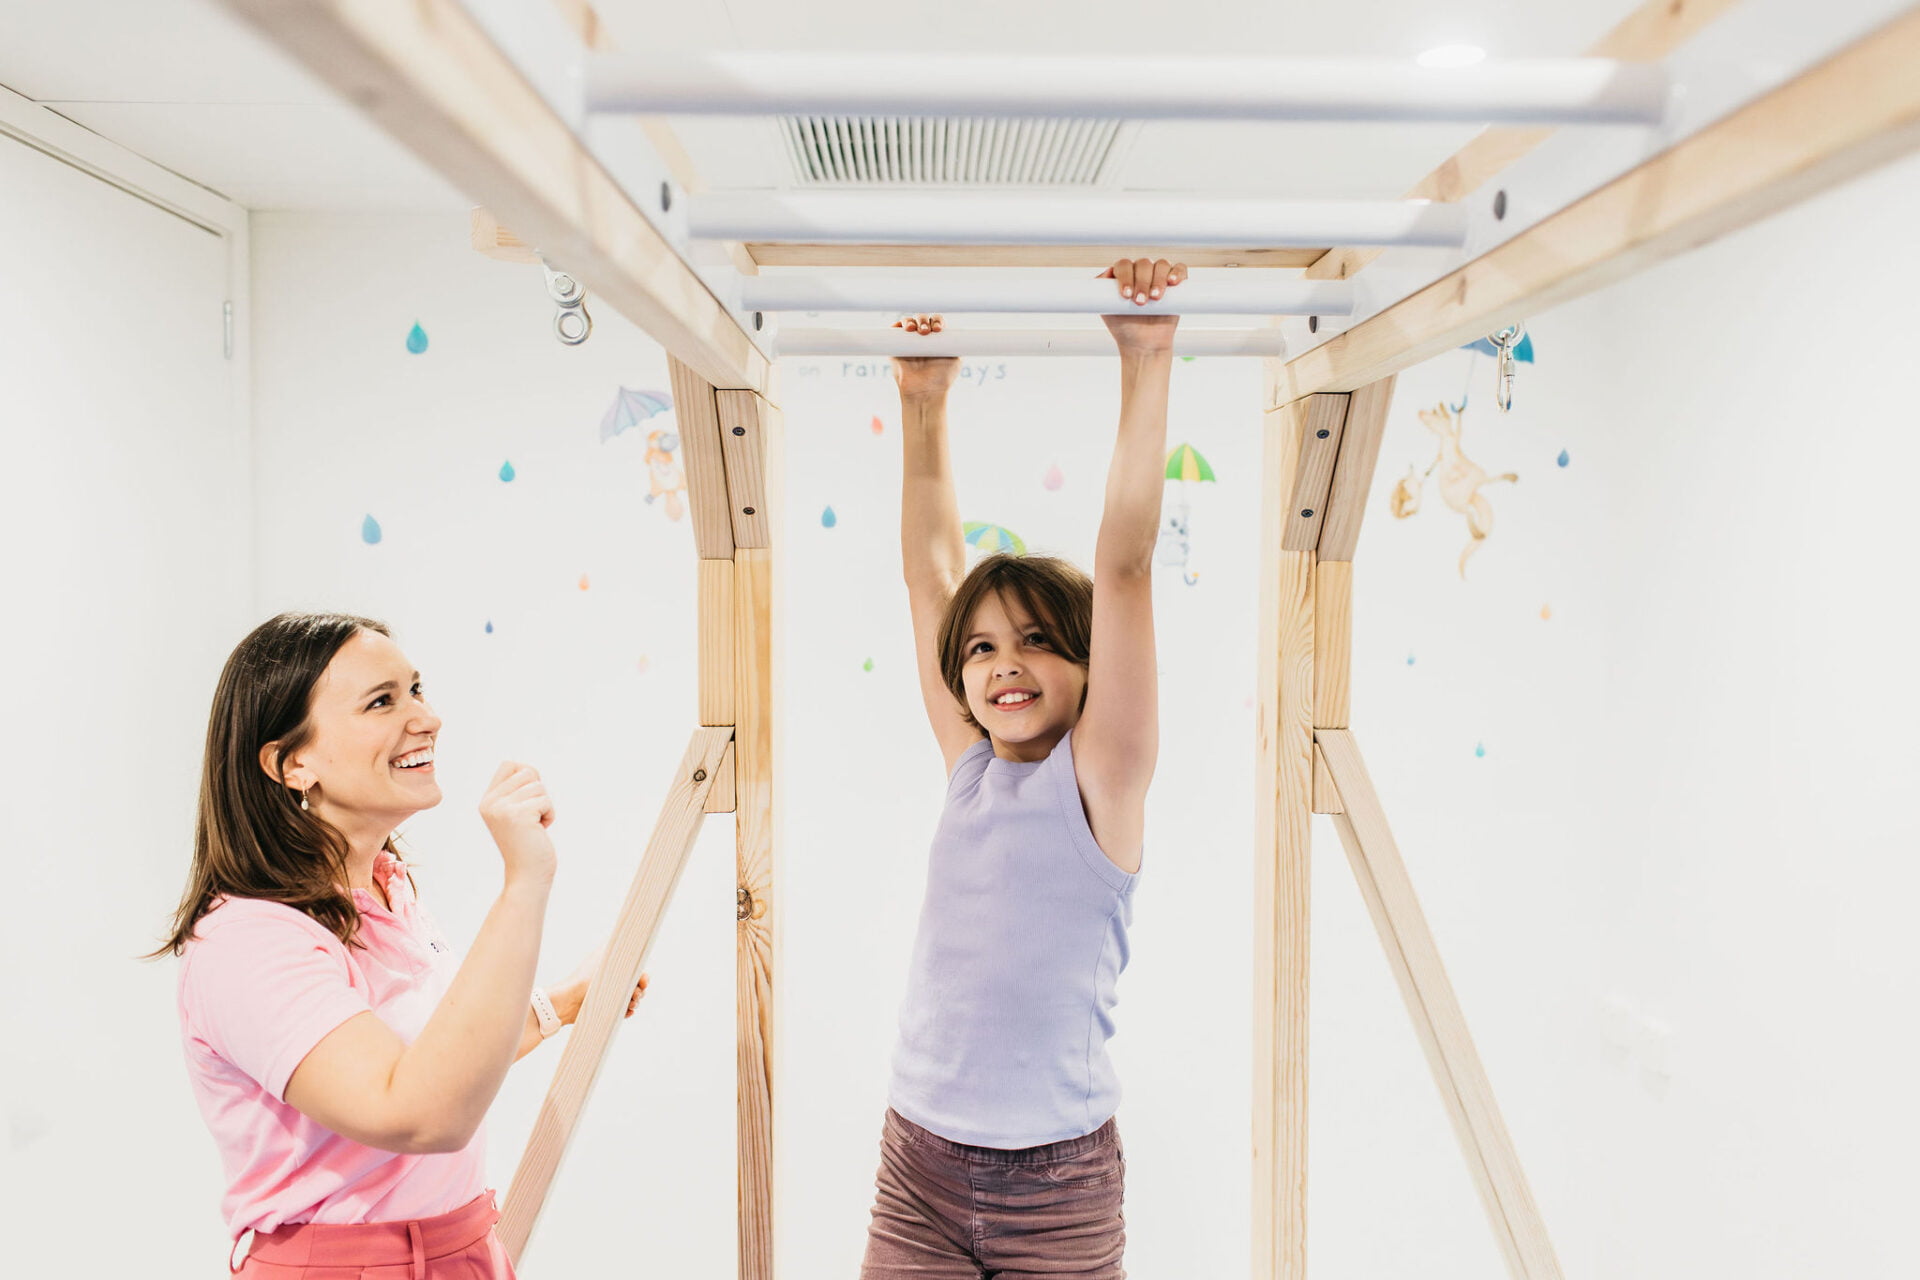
(343, 1058)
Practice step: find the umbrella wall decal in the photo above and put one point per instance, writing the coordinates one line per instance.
(630, 409)
(1185, 463)
(992, 537)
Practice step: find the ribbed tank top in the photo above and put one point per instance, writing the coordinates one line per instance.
(1009, 1004)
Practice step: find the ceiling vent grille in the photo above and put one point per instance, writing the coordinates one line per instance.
(913, 151)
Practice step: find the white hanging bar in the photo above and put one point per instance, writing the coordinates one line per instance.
(1015, 342)
(1251, 293)
(981, 218)
(1518, 91)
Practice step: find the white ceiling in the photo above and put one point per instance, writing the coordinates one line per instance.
(183, 84)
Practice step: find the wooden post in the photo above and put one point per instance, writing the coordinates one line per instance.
(1282, 843)
(673, 835)
(1437, 1019)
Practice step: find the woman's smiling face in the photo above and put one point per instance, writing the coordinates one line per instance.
(1020, 689)
(370, 758)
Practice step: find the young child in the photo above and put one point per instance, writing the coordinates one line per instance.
(999, 1154)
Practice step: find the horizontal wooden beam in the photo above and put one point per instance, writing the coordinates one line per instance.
(1857, 109)
(428, 74)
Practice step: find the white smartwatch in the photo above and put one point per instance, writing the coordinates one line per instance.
(543, 1010)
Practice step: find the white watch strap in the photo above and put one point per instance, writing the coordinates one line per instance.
(543, 1010)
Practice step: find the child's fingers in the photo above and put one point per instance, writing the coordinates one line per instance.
(1122, 272)
(1142, 280)
(1176, 273)
(1160, 277)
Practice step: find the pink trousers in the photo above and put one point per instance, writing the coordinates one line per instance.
(454, 1246)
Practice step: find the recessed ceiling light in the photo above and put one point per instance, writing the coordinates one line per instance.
(1452, 55)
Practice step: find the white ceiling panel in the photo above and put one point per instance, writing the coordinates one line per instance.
(279, 153)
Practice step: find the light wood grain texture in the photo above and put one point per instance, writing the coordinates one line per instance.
(1326, 796)
(1282, 844)
(745, 419)
(1437, 1019)
(607, 995)
(721, 798)
(1318, 421)
(1858, 109)
(697, 413)
(756, 950)
(490, 238)
(1353, 474)
(716, 605)
(1332, 642)
(1018, 255)
(1648, 34)
(434, 80)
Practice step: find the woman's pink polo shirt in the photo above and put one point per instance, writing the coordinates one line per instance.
(260, 985)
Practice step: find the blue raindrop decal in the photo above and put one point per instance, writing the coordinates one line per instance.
(1409, 659)
(1479, 750)
(489, 626)
(1563, 459)
(369, 531)
(507, 473)
(828, 519)
(416, 338)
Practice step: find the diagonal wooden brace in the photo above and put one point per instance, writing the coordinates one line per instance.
(666, 856)
(1437, 1018)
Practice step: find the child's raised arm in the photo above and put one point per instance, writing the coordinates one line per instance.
(1117, 740)
(933, 556)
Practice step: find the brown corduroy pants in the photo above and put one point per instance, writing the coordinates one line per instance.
(943, 1210)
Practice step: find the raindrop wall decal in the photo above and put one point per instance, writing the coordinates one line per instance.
(583, 582)
(1479, 750)
(507, 473)
(1563, 459)
(878, 427)
(1546, 613)
(416, 338)
(369, 531)
(1052, 481)
(828, 519)
(489, 626)
(645, 664)
(867, 665)
(1409, 659)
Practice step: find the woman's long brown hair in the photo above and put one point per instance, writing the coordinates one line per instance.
(251, 839)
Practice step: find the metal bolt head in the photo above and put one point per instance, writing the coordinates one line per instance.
(746, 511)
(1499, 205)
(1322, 434)
(739, 431)
(758, 320)
(1307, 514)
(1313, 324)
(666, 197)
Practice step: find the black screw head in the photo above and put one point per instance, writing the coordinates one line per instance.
(1307, 514)
(1313, 324)
(758, 320)
(739, 431)
(1499, 205)
(746, 511)
(666, 197)
(1322, 434)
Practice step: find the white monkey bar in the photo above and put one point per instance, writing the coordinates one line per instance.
(1015, 342)
(1213, 293)
(1518, 91)
(820, 217)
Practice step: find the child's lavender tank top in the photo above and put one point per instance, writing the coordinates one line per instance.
(1009, 1006)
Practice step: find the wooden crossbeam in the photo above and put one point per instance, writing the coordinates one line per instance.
(1648, 34)
(1857, 109)
(434, 80)
(756, 948)
(1437, 1019)
(673, 835)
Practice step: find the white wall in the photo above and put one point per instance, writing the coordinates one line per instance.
(126, 541)
(1671, 894)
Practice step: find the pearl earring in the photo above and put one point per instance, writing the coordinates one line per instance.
(303, 799)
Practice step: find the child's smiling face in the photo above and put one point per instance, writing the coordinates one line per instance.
(1020, 689)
